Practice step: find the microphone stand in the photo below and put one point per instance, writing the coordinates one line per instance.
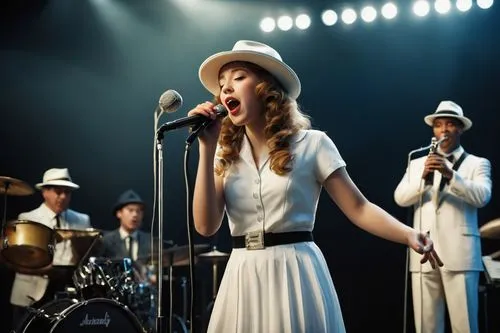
(433, 144)
(413, 152)
(159, 309)
(196, 130)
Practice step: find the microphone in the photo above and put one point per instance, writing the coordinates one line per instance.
(438, 142)
(429, 179)
(432, 146)
(170, 101)
(191, 120)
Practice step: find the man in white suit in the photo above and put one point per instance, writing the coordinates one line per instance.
(445, 189)
(31, 290)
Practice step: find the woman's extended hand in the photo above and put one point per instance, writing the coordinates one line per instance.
(422, 243)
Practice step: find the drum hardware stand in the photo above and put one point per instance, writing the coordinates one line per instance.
(215, 278)
(86, 255)
(184, 298)
(42, 313)
(171, 288)
(4, 218)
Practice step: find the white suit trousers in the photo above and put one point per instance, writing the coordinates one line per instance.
(434, 290)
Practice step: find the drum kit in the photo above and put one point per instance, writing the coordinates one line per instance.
(105, 294)
(491, 230)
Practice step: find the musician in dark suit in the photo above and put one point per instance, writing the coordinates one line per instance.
(127, 241)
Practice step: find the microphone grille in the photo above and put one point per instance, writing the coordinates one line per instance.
(170, 101)
(220, 110)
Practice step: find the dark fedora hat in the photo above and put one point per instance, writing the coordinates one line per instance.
(127, 197)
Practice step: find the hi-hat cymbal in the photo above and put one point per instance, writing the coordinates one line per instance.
(64, 234)
(491, 229)
(214, 255)
(13, 186)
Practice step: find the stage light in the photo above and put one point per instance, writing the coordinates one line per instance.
(368, 14)
(267, 24)
(285, 23)
(421, 8)
(464, 5)
(329, 17)
(442, 6)
(389, 11)
(484, 4)
(348, 16)
(303, 21)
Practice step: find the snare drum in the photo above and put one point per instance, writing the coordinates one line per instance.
(28, 245)
(97, 315)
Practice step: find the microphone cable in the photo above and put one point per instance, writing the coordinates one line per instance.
(190, 230)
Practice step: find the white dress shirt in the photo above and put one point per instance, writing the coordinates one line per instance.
(135, 246)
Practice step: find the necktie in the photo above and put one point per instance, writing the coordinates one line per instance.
(129, 243)
(58, 221)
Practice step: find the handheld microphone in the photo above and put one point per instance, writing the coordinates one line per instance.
(170, 101)
(191, 120)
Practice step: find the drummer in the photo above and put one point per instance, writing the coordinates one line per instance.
(35, 288)
(127, 241)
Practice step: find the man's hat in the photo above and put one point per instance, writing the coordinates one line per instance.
(449, 109)
(57, 177)
(127, 197)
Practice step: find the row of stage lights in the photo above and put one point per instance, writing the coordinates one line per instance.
(368, 14)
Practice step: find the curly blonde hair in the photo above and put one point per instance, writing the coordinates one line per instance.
(283, 119)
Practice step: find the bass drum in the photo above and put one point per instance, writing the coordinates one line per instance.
(41, 321)
(97, 315)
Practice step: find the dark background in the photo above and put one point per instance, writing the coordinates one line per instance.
(80, 80)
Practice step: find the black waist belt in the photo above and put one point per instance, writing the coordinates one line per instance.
(272, 239)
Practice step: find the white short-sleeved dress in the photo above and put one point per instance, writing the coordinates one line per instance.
(284, 288)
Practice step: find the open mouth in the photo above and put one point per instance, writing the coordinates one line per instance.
(232, 103)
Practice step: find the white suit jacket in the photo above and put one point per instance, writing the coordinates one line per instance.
(30, 288)
(449, 215)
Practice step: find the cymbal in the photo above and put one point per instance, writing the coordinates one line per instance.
(176, 255)
(13, 186)
(214, 255)
(65, 234)
(491, 229)
(167, 242)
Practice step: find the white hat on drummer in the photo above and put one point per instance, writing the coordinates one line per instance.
(57, 177)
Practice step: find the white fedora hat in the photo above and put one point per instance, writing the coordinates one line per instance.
(449, 109)
(57, 177)
(256, 53)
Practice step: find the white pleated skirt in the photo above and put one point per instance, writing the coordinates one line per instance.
(280, 289)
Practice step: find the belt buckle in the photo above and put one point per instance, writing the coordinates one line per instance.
(254, 240)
